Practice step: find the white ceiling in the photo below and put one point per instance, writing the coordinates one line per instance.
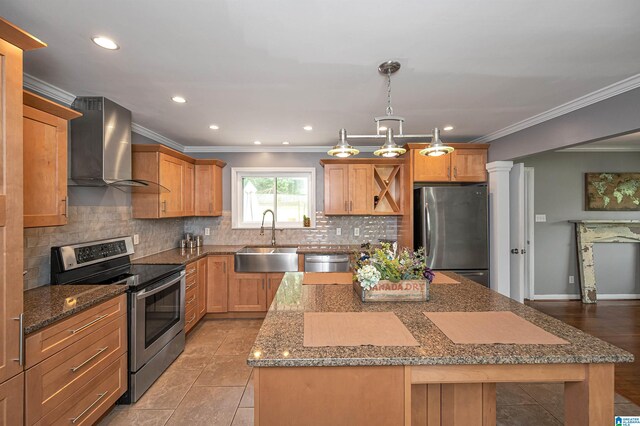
(263, 69)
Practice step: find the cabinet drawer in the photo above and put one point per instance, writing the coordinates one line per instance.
(190, 317)
(90, 402)
(58, 336)
(191, 288)
(191, 270)
(191, 298)
(55, 379)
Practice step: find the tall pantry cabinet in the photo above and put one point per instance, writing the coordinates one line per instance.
(13, 42)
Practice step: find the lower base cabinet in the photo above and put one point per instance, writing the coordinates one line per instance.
(12, 401)
(86, 375)
(252, 292)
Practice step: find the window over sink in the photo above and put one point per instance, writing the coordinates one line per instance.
(289, 191)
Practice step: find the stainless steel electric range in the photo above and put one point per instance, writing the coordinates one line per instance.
(155, 298)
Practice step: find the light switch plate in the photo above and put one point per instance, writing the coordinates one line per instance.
(136, 239)
(207, 231)
(572, 279)
(356, 232)
(541, 218)
(338, 231)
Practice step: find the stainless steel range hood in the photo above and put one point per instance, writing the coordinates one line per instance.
(101, 146)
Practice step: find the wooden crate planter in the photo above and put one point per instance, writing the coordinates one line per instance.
(389, 291)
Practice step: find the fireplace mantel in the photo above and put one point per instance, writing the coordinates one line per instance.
(589, 232)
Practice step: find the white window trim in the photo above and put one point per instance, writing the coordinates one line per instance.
(236, 189)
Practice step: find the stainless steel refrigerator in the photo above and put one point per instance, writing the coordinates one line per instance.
(451, 223)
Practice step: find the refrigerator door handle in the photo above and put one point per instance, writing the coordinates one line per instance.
(427, 230)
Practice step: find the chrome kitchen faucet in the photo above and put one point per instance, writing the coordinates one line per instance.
(273, 226)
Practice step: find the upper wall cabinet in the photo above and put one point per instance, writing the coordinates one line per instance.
(208, 190)
(176, 173)
(363, 187)
(465, 164)
(45, 160)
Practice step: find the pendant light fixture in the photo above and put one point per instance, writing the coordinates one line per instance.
(436, 148)
(390, 148)
(343, 149)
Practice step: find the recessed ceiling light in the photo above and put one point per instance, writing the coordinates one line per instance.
(105, 42)
(179, 99)
(214, 127)
(447, 128)
(308, 128)
(257, 142)
(285, 143)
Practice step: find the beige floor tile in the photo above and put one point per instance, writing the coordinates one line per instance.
(247, 396)
(205, 405)
(129, 417)
(168, 390)
(194, 358)
(225, 371)
(237, 344)
(626, 410)
(525, 415)
(512, 394)
(545, 393)
(244, 417)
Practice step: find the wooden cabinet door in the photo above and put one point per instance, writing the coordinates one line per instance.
(202, 287)
(273, 283)
(247, 293)
(208, 190)
(12, 401)
(189, 189)
(431, 169)
(217, 283)
(336, 189)
(469, 165)
(172, 176)
(45, 168)
(360, 188)
(11, 209)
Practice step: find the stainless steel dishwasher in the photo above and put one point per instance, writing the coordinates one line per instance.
(319, 262)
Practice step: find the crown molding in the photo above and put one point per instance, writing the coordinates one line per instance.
(157, 137)
(614, 89)
(601, 149)
(42, 87)
(267, 148)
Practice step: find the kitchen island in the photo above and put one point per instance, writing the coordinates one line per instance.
(436, 382)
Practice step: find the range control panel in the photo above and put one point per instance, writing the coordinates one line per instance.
(99, 251)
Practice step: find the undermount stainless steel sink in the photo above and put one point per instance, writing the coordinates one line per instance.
(266, 259)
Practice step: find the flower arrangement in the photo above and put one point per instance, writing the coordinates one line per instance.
(388, 263)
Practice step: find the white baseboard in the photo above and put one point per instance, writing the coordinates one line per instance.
(577, 297)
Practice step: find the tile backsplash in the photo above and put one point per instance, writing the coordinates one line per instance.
(87, 223)
(372, 228)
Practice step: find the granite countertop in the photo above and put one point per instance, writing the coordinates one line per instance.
(180, 256)
(280, 340)
(48, 304)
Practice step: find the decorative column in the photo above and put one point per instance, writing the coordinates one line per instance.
(499, 259)
(589, 232)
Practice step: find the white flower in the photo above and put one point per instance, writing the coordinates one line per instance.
(368, 276)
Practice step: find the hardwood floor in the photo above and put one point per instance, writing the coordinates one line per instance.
(615, 321)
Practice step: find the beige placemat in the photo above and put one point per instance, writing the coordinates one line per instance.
(490, 328)
(440, 278)
(316, 278)
(355, 329)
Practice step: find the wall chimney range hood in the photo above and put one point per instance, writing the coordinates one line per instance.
(101, 147)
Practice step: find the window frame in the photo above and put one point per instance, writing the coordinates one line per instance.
(237, 173)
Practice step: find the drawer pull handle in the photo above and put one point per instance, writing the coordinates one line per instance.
(79, 416)
(192, 318)
(189, 286)
(89, 324)
(91, 358)
(191, 300)
(191, 271)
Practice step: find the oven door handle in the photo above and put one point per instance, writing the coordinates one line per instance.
(148, 293)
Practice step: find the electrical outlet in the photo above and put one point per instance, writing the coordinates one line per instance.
(572, 279)
(338, 231)
(207, 231)
(356, 232)
(541, 218)
(136, 239)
